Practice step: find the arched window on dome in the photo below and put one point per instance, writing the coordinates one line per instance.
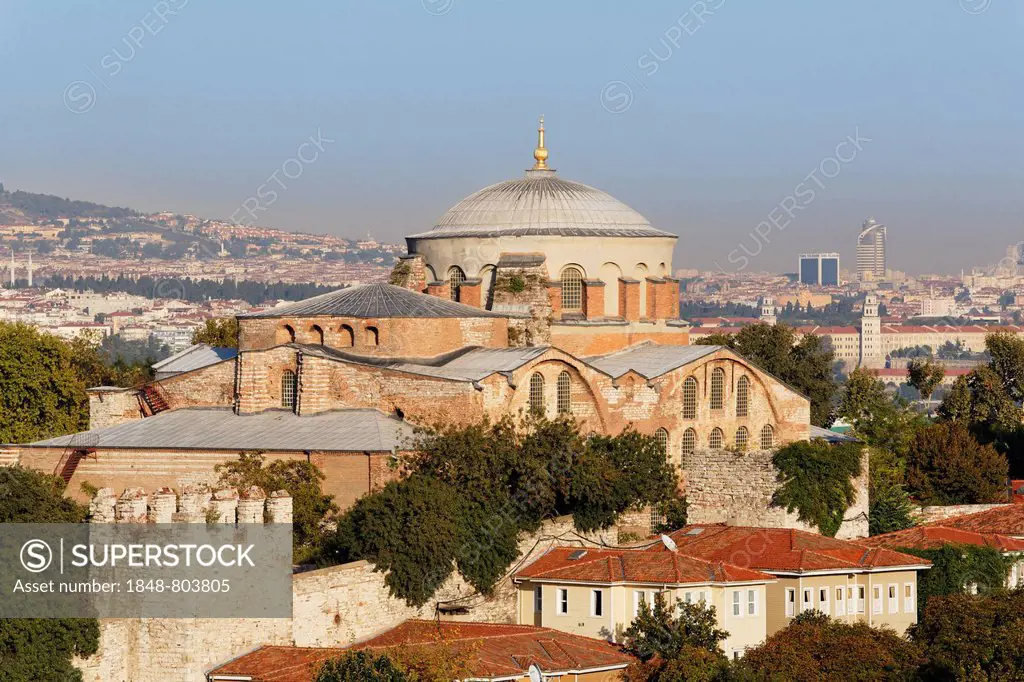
(742, 397)
(372, 336)
(690, 398)
(572, 290)
(348, 336)
(285, 334)
(455, 279)
(564, 393)
(318, 334)
(537, 394)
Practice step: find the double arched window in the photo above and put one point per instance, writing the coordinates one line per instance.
(289, 389)
(717, 388)
(572, 290)
(564, 398)
(742, 397)
(690, 398)
(767, 437)
(537, 394)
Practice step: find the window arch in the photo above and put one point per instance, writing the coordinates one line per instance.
(717, 388)
(742, 438)
(455, 279)
(716, 441)
(286, 334)
(661, 436)
(318, 334)
(742, 397)
(688, 445)
(537, 394)
(767, 437)
(690, 398)
(564, 393)
(372, 336)
(289, 389)
(572, 289)
(348, 336)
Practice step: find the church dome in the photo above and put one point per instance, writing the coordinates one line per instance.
(541, 203)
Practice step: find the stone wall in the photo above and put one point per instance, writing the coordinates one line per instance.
(335, 606)
(736, 488)
(935, 513)
(111, 406)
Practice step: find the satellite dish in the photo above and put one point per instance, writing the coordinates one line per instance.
(535, 673)
(669, 543)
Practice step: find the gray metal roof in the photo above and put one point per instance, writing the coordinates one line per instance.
(194, 357)
(541, 204)
(649, 360)
(374, 301)
(831, 436)
(221, 429)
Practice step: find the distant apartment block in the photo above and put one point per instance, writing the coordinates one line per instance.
(819, 269)
(871, 251)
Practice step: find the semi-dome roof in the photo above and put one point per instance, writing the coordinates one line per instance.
(541, 203)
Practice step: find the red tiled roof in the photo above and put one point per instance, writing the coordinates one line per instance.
(496, 650)
(785, 550)
(935, 536)
(1005, 520)
(634, 566)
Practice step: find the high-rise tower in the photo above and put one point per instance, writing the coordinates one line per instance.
(871, 251)
(870, 334)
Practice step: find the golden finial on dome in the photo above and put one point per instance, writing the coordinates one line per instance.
(540, 153)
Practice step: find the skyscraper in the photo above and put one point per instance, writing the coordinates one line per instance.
(871, 251)
(819, 269)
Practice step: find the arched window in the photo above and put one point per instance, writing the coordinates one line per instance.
(742, 397)
(289, 388)
(572, 290)
(661, 436)
(348, 336)
(717, 388)
(689, 441)
(742, 438)
(455, 279)
(690, 398)
(372, 336)
(318, 334)
(286, 334)
(537, 394)
(716, 441)
(767, 437)
(564, 393)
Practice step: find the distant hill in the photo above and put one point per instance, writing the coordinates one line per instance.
(27, 207)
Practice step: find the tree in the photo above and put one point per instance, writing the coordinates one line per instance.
(41, 391)
(814, 648)
(361, 666)
(675, 647)
(303, 481)
(946, 465)
(967, 637)
(960, 569)
(889, 507)
(1007, 352)
(863, 398)
(221, 333)
(41, 649)
(925, 376)
(816, 480)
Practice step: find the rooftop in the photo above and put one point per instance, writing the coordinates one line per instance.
(936, 536)
(1004, 520)
(194, 357)
(361, 430)
(649, 360)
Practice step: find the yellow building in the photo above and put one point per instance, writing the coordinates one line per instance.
(846, 580)
(598, 592)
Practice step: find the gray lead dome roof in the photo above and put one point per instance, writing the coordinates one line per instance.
(541, 204)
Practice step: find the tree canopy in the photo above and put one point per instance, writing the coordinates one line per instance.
(221, 332)
(816, 480)
(676, 643)
(947, 465)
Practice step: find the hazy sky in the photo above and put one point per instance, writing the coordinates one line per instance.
(703, 117)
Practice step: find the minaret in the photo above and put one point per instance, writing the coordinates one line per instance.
(13, 268)
(870, 333)
(30, 268)
(768, 310)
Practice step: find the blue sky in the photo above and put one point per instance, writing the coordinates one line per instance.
(427, 101)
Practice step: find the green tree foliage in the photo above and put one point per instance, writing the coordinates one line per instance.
(303, 481)
(957, 569)
(979, 400)
(41, 391)
(805, 365)
(193, 290)
(673, 513)
(967, 637)
(361, 666)
(670, 632)
(814, 648)
(925, 376)
(1007, 353)
(863, 399)
(946, 465)
(889, 506)
(41, 649)
(816, 480)
(473, 489)
(221, 333)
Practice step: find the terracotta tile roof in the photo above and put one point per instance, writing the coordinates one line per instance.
(784, 550)
(634, 566)
(935, 536)
(498, 650)
(1005, 520)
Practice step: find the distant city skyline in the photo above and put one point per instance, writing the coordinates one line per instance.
(702, 125)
